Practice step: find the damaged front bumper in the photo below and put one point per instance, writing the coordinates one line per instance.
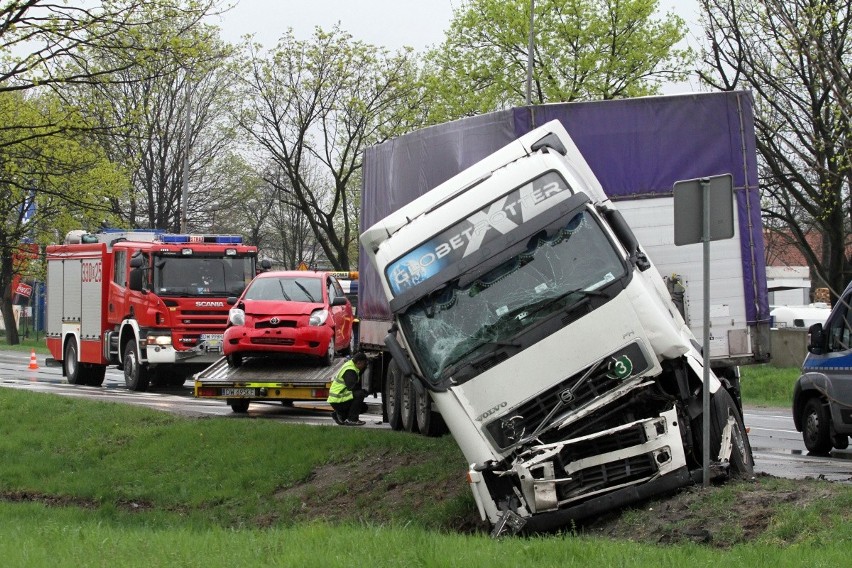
(550, 484)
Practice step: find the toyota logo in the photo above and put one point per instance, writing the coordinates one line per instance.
(274, 321)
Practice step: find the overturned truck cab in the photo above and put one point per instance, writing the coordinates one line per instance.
(547, 340)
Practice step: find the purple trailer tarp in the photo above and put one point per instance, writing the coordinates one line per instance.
(636, 147)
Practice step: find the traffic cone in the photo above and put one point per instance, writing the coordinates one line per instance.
(33, 362)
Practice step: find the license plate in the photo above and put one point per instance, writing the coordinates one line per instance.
(212, 341)
(238, 392)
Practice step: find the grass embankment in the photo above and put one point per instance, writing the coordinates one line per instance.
(26, 344)
(765, 385)
(100, 484)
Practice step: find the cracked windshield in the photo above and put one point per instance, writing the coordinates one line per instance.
(459, 323)
(198, 276)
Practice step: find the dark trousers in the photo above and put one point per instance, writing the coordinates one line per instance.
(352, 408)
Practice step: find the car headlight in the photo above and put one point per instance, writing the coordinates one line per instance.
(237, 316)
(160, 340)
(318, 317)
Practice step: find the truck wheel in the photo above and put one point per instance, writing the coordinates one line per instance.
(136, 377)
(390, 395)
(95, 375)
(722, 408)
(235, 360)
(73, 371)
(239, 405)
(816, 427)
(407, 404)
(429, 422)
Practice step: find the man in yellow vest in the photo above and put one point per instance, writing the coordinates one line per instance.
(346, 396)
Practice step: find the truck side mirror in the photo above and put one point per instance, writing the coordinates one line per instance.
(816, 343)
(627, 239)
(137, 279)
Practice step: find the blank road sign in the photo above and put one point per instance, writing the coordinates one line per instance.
(689, 207)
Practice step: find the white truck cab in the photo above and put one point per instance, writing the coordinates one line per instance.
(547, 339)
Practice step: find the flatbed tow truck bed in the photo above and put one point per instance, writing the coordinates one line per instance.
(266, 379)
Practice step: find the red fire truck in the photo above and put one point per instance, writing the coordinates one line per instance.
(152, 303)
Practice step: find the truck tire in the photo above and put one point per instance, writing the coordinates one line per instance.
(136, 376)
(73, 367)
(390, 395)
(407, 405)
(816, 427)
(429, 422)
(95, 374)
(722, 406)
(239, 405)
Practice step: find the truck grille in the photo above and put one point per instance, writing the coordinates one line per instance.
(572, 393)
(611, 474)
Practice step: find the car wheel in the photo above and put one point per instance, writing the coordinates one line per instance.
(239, 405)
(328, 358)
(235, 360)
(350, 347)
(390, 395)
(136, 377)
(815, 427)
(72, 363)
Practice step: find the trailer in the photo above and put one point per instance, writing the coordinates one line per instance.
(637, 148)
(265, 379)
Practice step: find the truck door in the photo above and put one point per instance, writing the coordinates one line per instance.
(117, 300)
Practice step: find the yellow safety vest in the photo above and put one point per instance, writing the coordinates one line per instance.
(339, 392)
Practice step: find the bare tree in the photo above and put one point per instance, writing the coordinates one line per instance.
(312, 107)
(794, 55)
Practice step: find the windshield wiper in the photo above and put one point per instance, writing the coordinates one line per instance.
(461, 362)
(283, 293)
(305, 290)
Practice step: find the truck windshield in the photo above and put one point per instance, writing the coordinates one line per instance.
(471, 317)
(202, 275)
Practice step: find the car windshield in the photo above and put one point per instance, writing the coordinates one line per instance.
(202, 275)
(289, 289)
(473, 316)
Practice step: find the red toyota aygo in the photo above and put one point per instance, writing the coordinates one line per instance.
(293, 312)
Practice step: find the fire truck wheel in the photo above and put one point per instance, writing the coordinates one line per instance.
(407, 404)
(239, 405)
(72, 363)
(95, 375)
(390, 395)
(722, 407)
(135, 375)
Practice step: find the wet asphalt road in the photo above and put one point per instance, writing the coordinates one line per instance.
(777, 446)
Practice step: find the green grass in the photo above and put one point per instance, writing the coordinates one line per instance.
(765, 385)
(26, 344)
(103, 484)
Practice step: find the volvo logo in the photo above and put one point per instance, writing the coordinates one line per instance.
(274, 321)
(566, 396)
(490, 411)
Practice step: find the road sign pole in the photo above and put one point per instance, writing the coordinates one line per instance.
(705, 190)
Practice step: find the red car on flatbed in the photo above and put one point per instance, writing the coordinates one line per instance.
(291, 313)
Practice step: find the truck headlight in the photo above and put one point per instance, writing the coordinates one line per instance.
(237, 316)
(159, 340)
(318, 317)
